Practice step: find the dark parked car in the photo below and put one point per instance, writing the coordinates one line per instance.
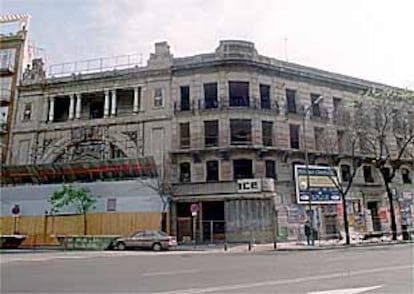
(147, 239)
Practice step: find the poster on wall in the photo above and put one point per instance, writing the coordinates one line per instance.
(322, 188)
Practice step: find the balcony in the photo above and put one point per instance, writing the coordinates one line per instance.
(322, 115)
(299, 110)
(5, 95)
(205, 106)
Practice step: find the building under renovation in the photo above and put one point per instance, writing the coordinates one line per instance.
(224, 128)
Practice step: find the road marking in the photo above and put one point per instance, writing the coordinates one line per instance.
(347, 291)
(169, 273)
(287, 281)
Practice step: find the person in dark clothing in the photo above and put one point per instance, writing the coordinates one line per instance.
(308, 231)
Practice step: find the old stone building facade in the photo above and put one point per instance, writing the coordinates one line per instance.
(226, 128)
(14, 55)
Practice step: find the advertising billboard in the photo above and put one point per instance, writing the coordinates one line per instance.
(321, 185)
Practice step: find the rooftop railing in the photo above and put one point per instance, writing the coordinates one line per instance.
(96, 65)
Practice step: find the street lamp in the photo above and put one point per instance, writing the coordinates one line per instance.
(316, 102)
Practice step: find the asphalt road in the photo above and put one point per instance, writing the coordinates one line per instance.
(383, 269)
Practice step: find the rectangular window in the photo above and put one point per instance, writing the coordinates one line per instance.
(291, 101)
(345, 173)
(294, 136)
(185, 172)
(319, 143)
(242, 169)
(3, 117)
(212, 171)
(241, 131)
(337, 104)
(211, 133)
(363, 144)
(239, 94)
(210, 95)
(267, 133)
(316, 111)
(5, 88)
(7, 58)
(406, 176)
(184, 135)
(265, 96)
(185, 98)
(270, 169)
(111, 204)
(27, 112)
(341, 143)
(158, 97)
(368, 174)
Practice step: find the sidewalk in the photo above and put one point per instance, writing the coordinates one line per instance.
(287, 246)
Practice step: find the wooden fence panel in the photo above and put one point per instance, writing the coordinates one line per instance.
(40, 229)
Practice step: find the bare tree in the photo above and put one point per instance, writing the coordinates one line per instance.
(162, 186)
(342, 146)
(386, 134)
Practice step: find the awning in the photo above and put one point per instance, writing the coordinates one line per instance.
(88, 171)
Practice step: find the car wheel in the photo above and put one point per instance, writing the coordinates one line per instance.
(156, 247)
(121, 246)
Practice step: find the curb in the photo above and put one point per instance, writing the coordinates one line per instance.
(315, 248)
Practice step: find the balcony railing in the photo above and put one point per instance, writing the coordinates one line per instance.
(201, 106)
(341, 117)
(322, 115)
(185, 142)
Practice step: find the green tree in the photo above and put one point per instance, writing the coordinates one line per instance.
(81, 198)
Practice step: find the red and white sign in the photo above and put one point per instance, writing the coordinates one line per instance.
(194, 209)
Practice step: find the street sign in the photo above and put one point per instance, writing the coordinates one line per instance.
(194, 209)
(322, 187)
(15, 210)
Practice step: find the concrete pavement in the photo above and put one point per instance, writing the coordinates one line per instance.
(383, 269)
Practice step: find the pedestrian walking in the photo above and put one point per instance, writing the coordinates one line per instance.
(308, 231)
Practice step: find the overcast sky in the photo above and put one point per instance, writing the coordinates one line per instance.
(371, 39)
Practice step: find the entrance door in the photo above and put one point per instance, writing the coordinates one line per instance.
(376, 223)
(331, 227)
(213, 221)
